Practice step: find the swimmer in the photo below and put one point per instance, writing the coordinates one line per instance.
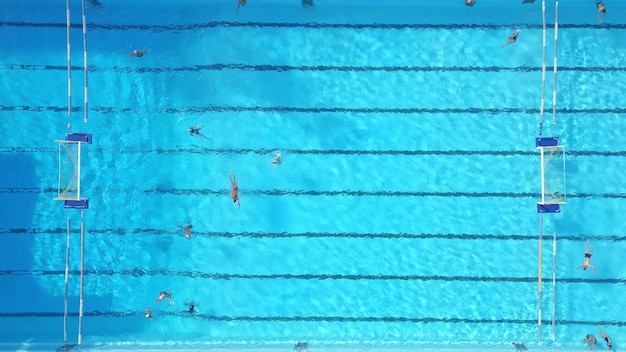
(96, 3)
(192, 307)
(276, 160)
(149, 313)
(195, 131)
(520, 347)
(234, 189)
(512, 38)
(308, 3)
(469, 3)
(187, 230)
(589, 340)
(601, 11)
(163, 295)
(138, 53)
(241, 3)
(301, 347)
(587, 262)
(605, 338)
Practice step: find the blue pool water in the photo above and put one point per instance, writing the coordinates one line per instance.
(403, 212)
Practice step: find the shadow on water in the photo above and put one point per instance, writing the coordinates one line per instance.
(32, 315)
(17, 212)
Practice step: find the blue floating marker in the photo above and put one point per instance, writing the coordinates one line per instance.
(548, 208)
(78, 137)
(546, 142)
(77, 203)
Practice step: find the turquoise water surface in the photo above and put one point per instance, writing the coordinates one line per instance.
(402, 214)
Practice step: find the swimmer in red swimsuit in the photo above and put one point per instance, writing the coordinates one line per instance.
(234, 189)
(187, 230)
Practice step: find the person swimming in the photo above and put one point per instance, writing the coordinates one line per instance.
(512, 38)
(163, 295)
(241, 3)
(520, 347)
(606, 338)
(588, 253)
(195, 131)
(138, 53)
(308, 3)
(301, 347)
(234, 188)
(601, 11)
(187, 230)
(192, 307)
(276, 160)
(469, 3)
(590, 340)
(149, 313)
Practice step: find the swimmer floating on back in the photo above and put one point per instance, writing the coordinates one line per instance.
(512, 38)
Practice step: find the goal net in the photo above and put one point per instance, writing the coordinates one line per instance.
(68, 187)
(553, 175)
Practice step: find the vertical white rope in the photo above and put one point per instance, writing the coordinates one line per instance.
(539, 279)
(543, 68)
(86, 82)
(78, 173)
(543, 186)
(556, 39)
(82, 283)
(59, 174)
(554, 287)
(564, 177)
(67, 273)
(69, 64)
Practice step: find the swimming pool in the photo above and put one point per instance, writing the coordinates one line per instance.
(402, 214)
